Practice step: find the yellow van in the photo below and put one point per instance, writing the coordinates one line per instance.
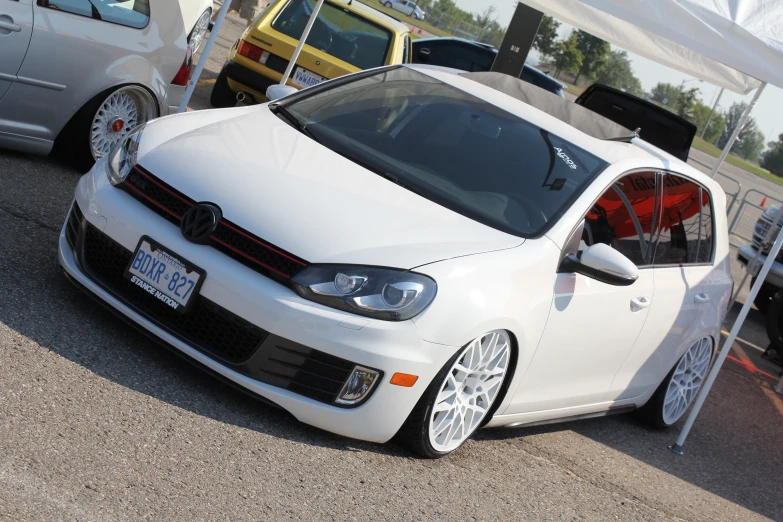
(348, 36)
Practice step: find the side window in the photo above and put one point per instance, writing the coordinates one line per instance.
(686, 223)
(131, 13)
(406, 49)
(623, 217)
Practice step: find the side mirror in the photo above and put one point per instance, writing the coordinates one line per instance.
(424, 55)
(277, 91)
(602, 263)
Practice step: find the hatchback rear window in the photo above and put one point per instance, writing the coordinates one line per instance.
(450, 147)
(337, 31)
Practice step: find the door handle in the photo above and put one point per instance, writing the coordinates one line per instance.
(8, 26)
(639, 303)
(701, 299)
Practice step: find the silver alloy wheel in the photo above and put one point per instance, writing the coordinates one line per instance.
(199, 31)
(686, 380)
(469, 389)
(123, 110)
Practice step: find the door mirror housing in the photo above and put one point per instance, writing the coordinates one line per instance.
(277, 91)
(602, 263)
(424, 55)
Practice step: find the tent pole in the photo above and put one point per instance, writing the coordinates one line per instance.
(705, 390)
(302, 40)
(202, 61)
(712, 111)
(737, 129)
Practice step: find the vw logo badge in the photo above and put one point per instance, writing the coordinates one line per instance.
(199, 222)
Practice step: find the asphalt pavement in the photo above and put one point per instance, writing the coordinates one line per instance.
(99, 423)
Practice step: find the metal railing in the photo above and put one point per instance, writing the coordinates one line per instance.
(748, 213)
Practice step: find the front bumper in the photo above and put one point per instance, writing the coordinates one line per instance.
(747, 253)
(387, 346)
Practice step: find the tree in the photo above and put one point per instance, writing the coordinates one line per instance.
(484, 19)
(750, 140)
(568, 57)
(666, 94)
(546, 38)
(617, 73)
(700, 114)
(594, 51)
(685, 105)
(773, 159)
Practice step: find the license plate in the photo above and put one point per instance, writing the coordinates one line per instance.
(304, 78)
(164, 275)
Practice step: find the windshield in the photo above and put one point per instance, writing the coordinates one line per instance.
(336, 31)
(450, 147)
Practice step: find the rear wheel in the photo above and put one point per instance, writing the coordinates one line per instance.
(222, 96)
(460, 398)
(199, 32)
(388, 4)
(679, 389)
(102, 122)
(764, 296)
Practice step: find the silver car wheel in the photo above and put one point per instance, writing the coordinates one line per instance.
(199, 31)
(469, 389)
(123, 110)
(686, 380)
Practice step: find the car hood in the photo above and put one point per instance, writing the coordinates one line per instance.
(295, 193)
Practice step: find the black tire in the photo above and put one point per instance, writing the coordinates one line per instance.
(774, 318)
(766, 292)
(73, 144)
(415, 432)
(222, 96)
(652, 412)
(388, 4)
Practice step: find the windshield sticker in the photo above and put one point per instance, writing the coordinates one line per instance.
(562, 155)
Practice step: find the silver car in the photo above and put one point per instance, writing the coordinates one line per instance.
(78, 75)
(407, 7)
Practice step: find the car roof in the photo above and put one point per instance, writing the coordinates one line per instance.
(373, 14)
(634, 154)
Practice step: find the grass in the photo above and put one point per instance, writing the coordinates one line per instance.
(712, 150)
(405, 18)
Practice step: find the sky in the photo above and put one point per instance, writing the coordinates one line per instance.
(767, 112)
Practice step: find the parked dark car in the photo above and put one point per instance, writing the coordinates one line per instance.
(465, 55)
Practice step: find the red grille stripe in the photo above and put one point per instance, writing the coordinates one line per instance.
(142, 194)
(164, 187)
(251, 258)
(225, 223)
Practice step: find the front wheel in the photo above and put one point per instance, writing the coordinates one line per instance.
(679, 389)
(766, 292)
(460, 397)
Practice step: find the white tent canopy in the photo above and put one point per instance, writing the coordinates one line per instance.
(730, 43)
(737, 44)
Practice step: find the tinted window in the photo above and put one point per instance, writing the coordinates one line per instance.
(623, 217)
(686, 223)
(132, 13)
(406, 49)
(338, 32)
(450, 147)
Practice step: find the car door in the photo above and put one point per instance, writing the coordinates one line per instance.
(16, 28)
(592, 326)
(688, 288)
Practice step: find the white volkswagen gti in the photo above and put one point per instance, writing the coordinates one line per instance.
(413, 251)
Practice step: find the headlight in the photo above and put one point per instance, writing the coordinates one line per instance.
(381, 293)
(122, 156)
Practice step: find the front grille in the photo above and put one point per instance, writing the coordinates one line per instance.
(209, 327)
(229, 238)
